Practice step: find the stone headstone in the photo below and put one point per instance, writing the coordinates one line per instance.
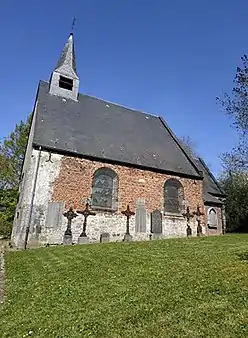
(104, 237)
(83, 240)
(140, 215)
(156, 222)
(54, 214)
(127, 238)
(67, 240)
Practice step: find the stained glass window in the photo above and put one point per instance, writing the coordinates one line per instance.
(173, 196)
(104, 188)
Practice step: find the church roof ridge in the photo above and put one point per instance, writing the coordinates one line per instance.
(119, 105)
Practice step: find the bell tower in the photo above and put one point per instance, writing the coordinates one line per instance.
(64, 80)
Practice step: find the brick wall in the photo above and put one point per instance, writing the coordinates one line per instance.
(73, 185)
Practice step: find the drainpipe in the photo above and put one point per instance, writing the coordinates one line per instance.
(32, 200)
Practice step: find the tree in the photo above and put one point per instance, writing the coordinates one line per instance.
(12, 152)
(235, 163)
(189, 146)
(236, 106)
(236, 189)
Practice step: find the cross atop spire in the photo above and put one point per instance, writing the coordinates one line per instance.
(73, 24)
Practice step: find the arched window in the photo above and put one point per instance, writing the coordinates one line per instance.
(212, 218)
(104, 189)
(173, 196)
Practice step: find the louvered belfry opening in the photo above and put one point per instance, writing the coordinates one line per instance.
(65, 83)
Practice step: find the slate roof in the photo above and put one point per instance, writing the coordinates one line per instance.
(67, 56)
(211, 189)
(103, 130)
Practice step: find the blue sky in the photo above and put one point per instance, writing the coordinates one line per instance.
(169, 58)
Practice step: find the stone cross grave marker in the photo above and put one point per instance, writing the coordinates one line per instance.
(128, 213)
(86, 213)
(70, 214)
(156, 222)
(188, 215)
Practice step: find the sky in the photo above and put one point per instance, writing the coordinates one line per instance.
(167, 58)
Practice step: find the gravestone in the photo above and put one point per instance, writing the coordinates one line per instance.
(83, 239)
(54, 214)
(104, 237)
(128, 213)
(156, 222)
(198, 214)
(188, 215)
(199, 228)
(70, 215)
(140, 215)
(189, 231)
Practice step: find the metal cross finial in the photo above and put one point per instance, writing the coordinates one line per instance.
(70, 214)
(128, 213)
(188, 215)
(198, 214)
(86, 213)
(73, 24)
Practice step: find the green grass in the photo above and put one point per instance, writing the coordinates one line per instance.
(171, 288)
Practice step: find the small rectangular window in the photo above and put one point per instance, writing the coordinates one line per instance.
(65, 82)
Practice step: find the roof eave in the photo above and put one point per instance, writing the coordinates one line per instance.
(210, 203)
(212, 177)
(116, 162)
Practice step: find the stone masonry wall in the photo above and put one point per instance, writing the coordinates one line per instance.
(47, 171)
(68, 180)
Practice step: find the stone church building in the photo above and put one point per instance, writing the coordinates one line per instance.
(83, 149)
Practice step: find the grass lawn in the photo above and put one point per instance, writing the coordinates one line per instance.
(171, 288)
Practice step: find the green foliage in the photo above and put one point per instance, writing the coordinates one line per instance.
(170, 288)
(236, 106)
(236, 188)
(12, 152)
(235, 162)
(8, 199)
